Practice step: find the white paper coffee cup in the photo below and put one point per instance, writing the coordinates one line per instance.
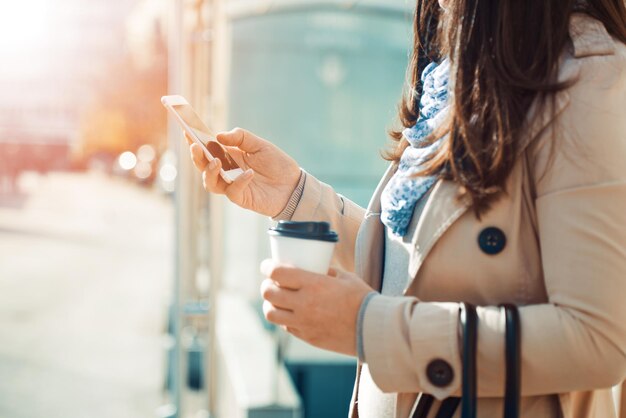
(306, 245)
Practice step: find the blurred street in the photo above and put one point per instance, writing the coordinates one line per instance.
(85, 273)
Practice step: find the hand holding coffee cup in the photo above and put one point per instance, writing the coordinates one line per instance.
(306, 245)
(303, 297)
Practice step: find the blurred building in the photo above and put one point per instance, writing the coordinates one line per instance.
(50, 74)
(146, 31)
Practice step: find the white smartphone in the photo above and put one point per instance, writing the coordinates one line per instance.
(201, 134)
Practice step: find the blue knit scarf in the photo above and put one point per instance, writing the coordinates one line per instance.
(403, 191)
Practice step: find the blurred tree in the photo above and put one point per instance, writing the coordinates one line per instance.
(126, 111)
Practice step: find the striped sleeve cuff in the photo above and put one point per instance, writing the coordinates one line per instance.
(359, 325)
(292, 204)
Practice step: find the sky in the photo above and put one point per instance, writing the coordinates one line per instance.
(24, 27)
(41, 38)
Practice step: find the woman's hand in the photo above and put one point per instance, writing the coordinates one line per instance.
(268, 182)
(319, 309)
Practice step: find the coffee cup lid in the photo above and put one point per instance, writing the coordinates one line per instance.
(319, 231)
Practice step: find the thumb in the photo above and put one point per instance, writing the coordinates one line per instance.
(242, 139)
(236, 188)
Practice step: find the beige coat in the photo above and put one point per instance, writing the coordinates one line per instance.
(562, 258)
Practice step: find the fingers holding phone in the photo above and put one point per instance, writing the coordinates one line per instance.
(197, 156)
(240, 192)
(233, 156)
(197, 132)
(243, 140)
(211, 178)
(266, 190)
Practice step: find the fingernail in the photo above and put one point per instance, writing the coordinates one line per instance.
(213, 164)
(249, 173)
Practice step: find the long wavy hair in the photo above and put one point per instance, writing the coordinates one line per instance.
(504, 56)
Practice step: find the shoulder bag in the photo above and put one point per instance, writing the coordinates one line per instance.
(468, 322)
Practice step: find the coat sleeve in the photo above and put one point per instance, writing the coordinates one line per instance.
(319, 202)
(577, 340)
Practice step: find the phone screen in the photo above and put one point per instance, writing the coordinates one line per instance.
(201, 132)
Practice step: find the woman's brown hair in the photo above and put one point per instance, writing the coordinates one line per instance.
(504, 55)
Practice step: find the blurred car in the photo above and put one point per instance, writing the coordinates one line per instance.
(147, 168)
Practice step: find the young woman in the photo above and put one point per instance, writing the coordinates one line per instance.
(506, 184)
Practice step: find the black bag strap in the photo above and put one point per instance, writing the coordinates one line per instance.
(468, 324)
(424, 402)
(513, 349)
(448, 407)
(468, 320)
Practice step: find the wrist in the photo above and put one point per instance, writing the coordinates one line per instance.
(360, 350)
(292, 203)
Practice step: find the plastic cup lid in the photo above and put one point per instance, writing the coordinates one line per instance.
(319, 231)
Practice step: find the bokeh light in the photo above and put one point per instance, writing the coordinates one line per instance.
(143, 170)
(146, 153)
(127, 160)
(168, 173)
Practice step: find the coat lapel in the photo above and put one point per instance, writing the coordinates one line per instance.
(370, 241)
(444, 206)
(440, 212)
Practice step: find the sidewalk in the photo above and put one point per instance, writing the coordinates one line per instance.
(85, 274)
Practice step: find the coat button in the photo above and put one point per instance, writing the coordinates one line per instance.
(492, 240)
(439, 373)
